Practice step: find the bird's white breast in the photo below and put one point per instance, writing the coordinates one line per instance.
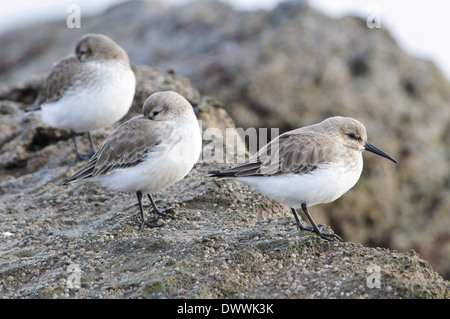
(167, 164)
(323, 185)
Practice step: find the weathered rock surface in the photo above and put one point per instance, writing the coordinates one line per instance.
(285, 68)
(226, 242)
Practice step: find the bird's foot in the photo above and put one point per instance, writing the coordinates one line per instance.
(149, 224)
(157, 213)
(330, 236)
(318, 231)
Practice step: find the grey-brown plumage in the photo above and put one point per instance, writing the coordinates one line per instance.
(296, 152)
(126, 146)
(58, 81)
(300, 151)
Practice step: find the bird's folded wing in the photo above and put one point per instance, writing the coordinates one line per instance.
(128, 145)
(60, 78)
(297, 153)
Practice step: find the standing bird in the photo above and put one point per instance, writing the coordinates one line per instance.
(149, 152)
(89, 90)
(308, 166)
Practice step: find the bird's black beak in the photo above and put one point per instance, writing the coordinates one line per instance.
(369, 147)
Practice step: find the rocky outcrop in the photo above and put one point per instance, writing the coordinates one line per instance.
(82, 241)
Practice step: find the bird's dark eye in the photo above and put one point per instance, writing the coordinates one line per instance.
(155, 113)
(81, 54)
(352, 136)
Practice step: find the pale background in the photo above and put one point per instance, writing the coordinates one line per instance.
(421, 28)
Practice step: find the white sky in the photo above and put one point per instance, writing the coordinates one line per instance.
(420, 27)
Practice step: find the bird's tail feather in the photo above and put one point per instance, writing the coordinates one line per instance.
(247, 169)
(85, 172)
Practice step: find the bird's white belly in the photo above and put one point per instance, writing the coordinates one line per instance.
(101, 103)
(147, 177)
(323, 185)
(162, 168)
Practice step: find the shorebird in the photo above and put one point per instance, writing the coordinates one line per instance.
(308, 166)
(147, 153)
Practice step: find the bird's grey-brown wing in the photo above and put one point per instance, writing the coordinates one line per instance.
(126, 146)
(62, 76)
(129, 146)
(297, 152)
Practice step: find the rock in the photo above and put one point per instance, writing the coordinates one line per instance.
(82, 241)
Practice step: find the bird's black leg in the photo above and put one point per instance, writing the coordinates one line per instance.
(79, 157)
(143, 221)
(299, 223)
(157, 211)
(315, 227)
(92, 144)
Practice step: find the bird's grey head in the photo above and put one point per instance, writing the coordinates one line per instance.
(353, 134)
(166, 105)
(99, 47)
